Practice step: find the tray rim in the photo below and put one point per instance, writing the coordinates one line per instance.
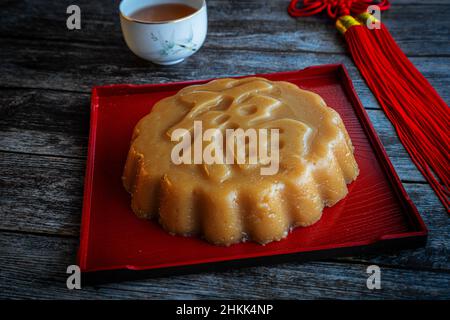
(402, 240)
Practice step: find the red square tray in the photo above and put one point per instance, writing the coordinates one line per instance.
(376, 213)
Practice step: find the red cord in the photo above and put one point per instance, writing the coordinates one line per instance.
(334, 8)
(419, 115)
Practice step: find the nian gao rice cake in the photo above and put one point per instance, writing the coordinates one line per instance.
(232, 201)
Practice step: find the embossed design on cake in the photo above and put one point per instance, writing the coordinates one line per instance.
(229, 203)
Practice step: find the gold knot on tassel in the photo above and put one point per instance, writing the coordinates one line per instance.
(345, 22)
(366, 17)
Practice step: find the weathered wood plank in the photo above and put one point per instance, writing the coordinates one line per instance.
(232, 25)
(79, 67)
(44, 195)
(34, 267)
(41, 194)
(318, 34)
(44, 122)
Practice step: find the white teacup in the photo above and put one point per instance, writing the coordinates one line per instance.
(165, 42)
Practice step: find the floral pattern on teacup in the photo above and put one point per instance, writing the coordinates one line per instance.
(171, 46)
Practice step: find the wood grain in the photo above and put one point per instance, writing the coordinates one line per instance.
(50, 257)
(79, 66)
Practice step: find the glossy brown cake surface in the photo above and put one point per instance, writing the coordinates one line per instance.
(229, 203)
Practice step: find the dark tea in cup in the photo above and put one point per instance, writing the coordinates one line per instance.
(162, 12)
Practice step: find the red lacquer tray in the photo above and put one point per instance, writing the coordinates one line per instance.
(377, 212)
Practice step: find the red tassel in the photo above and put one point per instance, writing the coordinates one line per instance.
(418, 114)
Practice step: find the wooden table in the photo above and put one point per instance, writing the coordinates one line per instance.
(46, 74)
